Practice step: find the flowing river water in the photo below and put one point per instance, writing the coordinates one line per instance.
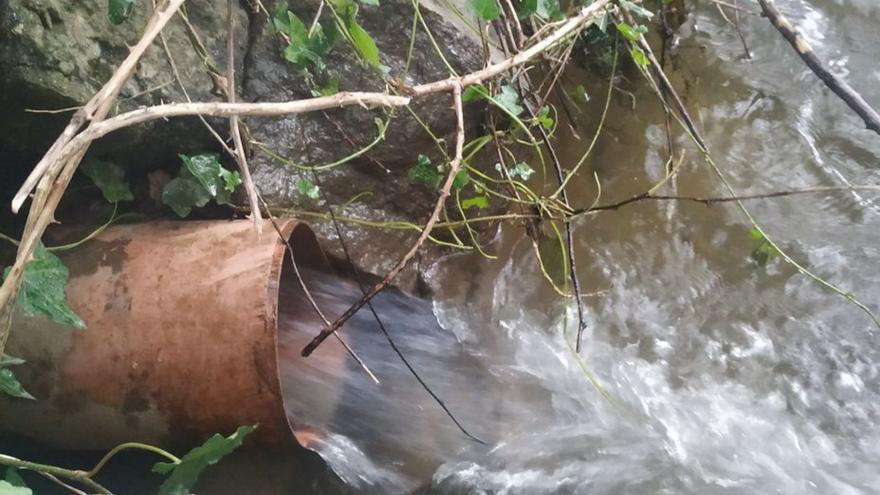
(717, 375)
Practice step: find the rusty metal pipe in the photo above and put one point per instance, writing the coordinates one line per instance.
(181, 339)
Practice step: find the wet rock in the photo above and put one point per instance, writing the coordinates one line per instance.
(57, 54)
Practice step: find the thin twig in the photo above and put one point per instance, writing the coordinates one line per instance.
(846, 93)
(234, 129)
(454, 166)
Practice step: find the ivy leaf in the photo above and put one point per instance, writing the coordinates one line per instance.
(525, 8)
(636, 9)
(184, 193)
(508, 99)
(13, 478)
(580, 94)
(110, 179)
(521, 170)
(119, 10)
(545, 119)
(479, 202)
(231, 179)
(363, 43)
(7, 488)
(207, 170)
(631, 33)
(424, 173)
(280, 19)
(307, 188)
(8, 360)
(548, 9)
(10, 385)
(486, 10)
(329, 89)
(184, 474)
(474, 92)
(461, 179)
(42, 289)
(639, 57)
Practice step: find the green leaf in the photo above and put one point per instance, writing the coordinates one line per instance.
(7, 488)
(424, 173)
(631, 33)
(548, 9)
(525, 8)
(636, 9)
(280, 18)
(480, 202)
(363, 42)
(42, 289)
(119, 10)
(207, 170)
(545, 119)
(328, 89)
(639, 57)
(8, 360)
(486, 10)
(184, 474)
(182, 194)
(307, 188)
(231, 179)
(474, 92)
(13, 478)
(10, 385)
(521, 170)
(756, 235)
(508, 99)
(580, 94)
(110, 179)
(461, 179)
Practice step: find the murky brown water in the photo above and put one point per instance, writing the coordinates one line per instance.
(726, 376)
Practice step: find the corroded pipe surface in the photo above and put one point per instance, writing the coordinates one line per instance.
(181, 339)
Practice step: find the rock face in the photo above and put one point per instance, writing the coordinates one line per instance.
(58, 53)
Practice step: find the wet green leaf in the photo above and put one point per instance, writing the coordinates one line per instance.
(42, 289)
(184, 474)
(13, 478)
(307, 188)
(486, 10)
(110, 179)
(525, 8)
(206, 169)
(423, 172)
(328, 89)
(119, 10)
(521, 170)
(363, 43)
(474, 92)
(508, 99)
(7, 488)
(636, 9)
(8, 360)
(548, 9)
(10, 385)
(631, 33)
(545, 119)
(479, 202)
(461, 179)
(182, 194)
(639, 57)
(580, 94)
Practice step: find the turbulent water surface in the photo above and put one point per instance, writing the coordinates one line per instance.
(722, 376)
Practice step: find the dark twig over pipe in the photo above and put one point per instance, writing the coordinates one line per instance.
(839, 86)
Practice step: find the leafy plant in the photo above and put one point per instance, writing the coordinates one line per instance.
(118, 11)
(521, 170)
(363, 43)
(479, 202)
(7, 488)
(110, 179)
(486, 10)
(307, 188)
(306, 51)
(423, 172)
(182, 475)
(42, 289)
(201, 178)
(631, 33)
(763, 251)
